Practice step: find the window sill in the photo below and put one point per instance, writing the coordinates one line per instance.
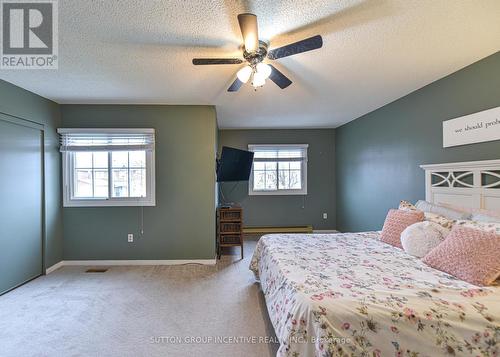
(278, 193)
(108, 203)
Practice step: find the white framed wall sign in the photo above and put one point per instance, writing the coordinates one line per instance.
(474, 128)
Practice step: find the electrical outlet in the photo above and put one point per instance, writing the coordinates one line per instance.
(325, 215)
(130, 237)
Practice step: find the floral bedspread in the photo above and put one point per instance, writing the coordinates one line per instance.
(349, 294)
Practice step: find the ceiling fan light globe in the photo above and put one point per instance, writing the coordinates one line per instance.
(258, 80)
(250, 43)
(264, 69)
(244, 74)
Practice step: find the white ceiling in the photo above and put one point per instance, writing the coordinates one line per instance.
(375, 51)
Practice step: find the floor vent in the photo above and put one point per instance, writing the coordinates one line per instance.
(96, 270)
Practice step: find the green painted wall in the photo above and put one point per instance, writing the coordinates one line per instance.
(378, 155)
(182, 225)
(25, 105)
(288, 210)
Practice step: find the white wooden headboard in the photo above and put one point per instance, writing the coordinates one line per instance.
(474, 184)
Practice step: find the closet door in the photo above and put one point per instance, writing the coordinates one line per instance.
(21, 207)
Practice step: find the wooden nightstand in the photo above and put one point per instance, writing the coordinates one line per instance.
(229, 228)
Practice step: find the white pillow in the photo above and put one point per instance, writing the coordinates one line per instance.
(429, 216)
(441, 210)
(420, 238)
(480, 217)
(474, 211)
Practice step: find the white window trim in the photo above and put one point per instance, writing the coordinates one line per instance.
(303, 191)
(70, 201)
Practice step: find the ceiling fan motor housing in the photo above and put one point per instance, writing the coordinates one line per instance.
(255, 57)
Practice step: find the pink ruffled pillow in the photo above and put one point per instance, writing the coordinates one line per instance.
(396, 222)
(469, 254)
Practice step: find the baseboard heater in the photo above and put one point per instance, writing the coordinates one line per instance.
(288, 229)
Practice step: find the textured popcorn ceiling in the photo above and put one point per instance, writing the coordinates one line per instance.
(375, 51)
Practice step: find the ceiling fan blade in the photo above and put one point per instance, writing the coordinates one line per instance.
(279, 78)
(235, 86)
(308, 44)
(249, 31)
(205, 61)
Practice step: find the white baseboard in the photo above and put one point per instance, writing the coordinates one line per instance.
(54, 267)
(325, 231)
(139, 262)
(128, 262)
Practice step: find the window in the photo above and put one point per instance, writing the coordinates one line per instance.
(108, 167)
(278, 170)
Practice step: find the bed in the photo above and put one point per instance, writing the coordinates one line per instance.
(349, 294)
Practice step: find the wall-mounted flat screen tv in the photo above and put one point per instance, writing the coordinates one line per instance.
(234, 165)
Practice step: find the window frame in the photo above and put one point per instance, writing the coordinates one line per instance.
(278, 192)
(68, 171)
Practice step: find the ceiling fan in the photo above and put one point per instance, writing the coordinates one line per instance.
(254, 53)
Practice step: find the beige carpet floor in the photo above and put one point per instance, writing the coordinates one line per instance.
(139, 311)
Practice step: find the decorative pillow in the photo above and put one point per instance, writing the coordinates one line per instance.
(441, 220)
(483, 226)
(396, 222)
(407, 206)
(469, 254)
(441, 210)
(420, 238)
(429, 216)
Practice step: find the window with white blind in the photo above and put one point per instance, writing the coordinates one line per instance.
(108, 167)
(278, 170)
